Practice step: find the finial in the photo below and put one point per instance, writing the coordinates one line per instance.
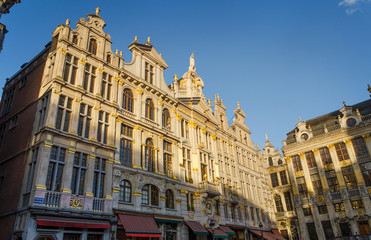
(120, 53)
(97, 11)
(238, 104)
(175, 78)
(299, 119)
(209, 102)
(344, 104)
(149, 40)
(136, 38)
(266, 137)
(67, 22)
(369, 88)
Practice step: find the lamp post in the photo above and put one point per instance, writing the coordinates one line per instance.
(212, 225)
(261, 230)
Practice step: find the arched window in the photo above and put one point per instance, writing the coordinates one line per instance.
(166, 119)
(278, 201)
(150, 109)
(93, 46)
(280, 161)
(169, 199)
(128, 100)
(150, 195)
(125, 191)
(270, 160)
(75, 39)
(109, 58)
(149, 156)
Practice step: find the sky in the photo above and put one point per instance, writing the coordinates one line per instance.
(280, 59)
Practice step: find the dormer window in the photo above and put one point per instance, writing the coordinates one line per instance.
(74, 39)
(149, 73)
(93, 46)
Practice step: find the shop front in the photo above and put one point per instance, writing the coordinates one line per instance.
(136, 227)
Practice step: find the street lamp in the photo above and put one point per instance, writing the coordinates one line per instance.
(261, 230)
(212, 225)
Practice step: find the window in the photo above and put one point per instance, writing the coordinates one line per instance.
(2, 131)
(278, 202)
(307, 211)
(105, 90)
(93, 46)
(70, 68)
(125, 191)
(102, 127)
(23, 82)
(128, 100)
(311, 161)
(150, 195)
(166, 122)
(296, 163)
(64, 113)
(332, 181)
(358, 204)
(283, 177)
(55, 169)
(71, 236)
(89, 78)
(317, 186)
(279, 161)
(217, 207)
(257, 214)
(99, 174)
(302, 187)
(78, 173)
(349, 177)
(75, 39)
(345, 229)
(13, 122)
(288, 201)
(187, 164)
(325, 156)
(327, 228)
(109, 58)
(83, 127)
(252, 213)
(35, 153)
(341, 151)
(226, 210)
(126, 145)
(339, 207)
(169, 199)
(150, 110)
(149, 156)
(366, 172)
(168, 159)
(360, 149)
(270, 160)
(246, 213)
(322, 209)
(274, 179)
(190, 202)
(185, 129)
(42, 111)
(149, 73)
(312, 231)
(8, 98)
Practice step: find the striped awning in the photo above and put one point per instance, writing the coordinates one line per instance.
(266, 235)
(139, 226)
(277, 234)
(218, 233)
(196, 227)
(227, 230)
(70, 222)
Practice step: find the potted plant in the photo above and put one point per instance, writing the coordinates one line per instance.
(186, 179)
(188, 207)
(193, 208)
(190, 180)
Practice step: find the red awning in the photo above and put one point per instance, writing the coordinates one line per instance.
(196, 227)
(218, 233)
(71, 222)
(227, 230)
(139, 226)
(277, 234)
(266, 235)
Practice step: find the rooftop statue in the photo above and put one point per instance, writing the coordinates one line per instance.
(192, 66)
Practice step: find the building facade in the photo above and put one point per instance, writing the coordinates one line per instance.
(329, 164)
(5, 5)
(97, 148)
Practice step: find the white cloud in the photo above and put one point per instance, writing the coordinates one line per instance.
(350, 11)
(349, 2)
(353, 6)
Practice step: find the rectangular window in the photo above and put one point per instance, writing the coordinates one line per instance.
(257, 214)
(105, 90)
(312, 231)
(226, 210)
(83, 127)
(23, 82)
(325, 156)
(252, 213)
(302, 187)
(55, 169)
(13, 122)
(274, 179)
(99, 175)
(42, 111)
(168, 165)
(78, 173)
(64, 113)
(70, 69)
(307, 211)
(283, 177)
(89, 77)
(366, 172)
(327, 228)
(322, 209)
(332, 181)
(126, 131)
(341, 151)
(317, 186)
(349, 177)
(35, 153)
(126, 152)
(145, 195)
(2, 132)
(296, 163)
(360, 149)
(288, 201)
(149, 73)
(8, 98)
(102, 127)
(187, 164)
(311, 161)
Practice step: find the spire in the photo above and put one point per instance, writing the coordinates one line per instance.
(266, 137)
(97, 11)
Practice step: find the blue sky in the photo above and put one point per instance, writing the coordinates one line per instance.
(280, 59)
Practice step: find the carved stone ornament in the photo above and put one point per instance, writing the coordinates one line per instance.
(117, 173)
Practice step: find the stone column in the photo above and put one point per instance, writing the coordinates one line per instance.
(89, 178)
(116, 90)
(307, 178)
(137, 148)
(98, 82)
(367, 139)
(75, 116)
(108, 186)
(138, 103)
(80, 73)
(291, 173)
(59, 63)
(67, 178)
(354, 161)
(321, 171)
(160, 167)
(94, 124)
(111, 138)
(52, 110)
(337, 169)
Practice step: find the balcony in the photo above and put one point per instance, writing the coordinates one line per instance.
(52, 199)
(354, 192)
(364, 159)
(98, 204)
(210, 188)
(335, 195)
